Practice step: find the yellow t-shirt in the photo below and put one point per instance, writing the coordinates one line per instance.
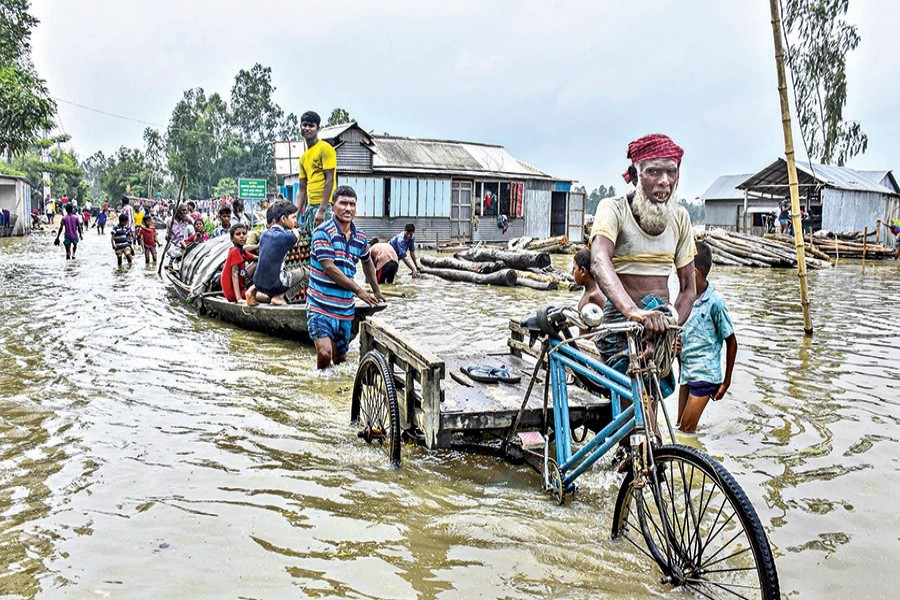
(313, 164)
(138, 218)
(636, 251)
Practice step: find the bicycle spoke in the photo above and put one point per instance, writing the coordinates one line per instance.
(724, 586)
(715, 562)
(717, 552)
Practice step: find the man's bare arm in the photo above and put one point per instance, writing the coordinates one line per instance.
(687, 292)
(337, 276)
(372, 278)
(301, 196)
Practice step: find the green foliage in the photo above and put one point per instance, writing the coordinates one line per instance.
(697, 211)
(226, 187)
(257, 122)
(26, 109)
(819, 41)
(125, 173)
(8, 170)
(15, 30)
(339, 116)
(62, 168)
(594, 198)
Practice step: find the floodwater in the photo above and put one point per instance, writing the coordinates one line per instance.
(146, 452)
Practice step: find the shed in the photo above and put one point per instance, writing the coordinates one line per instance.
(442, 187)
(15, 200)
(836, 198)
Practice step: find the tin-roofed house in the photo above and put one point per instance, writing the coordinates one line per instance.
(450, 190)
(835, 198)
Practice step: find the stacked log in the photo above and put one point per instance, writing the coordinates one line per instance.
(490, 266)
(558, 244)
(446, 262)
(844, 249)
(505, 277)
(735, 249)
(523, 259)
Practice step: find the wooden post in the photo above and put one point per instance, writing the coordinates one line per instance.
(791, 167)
(865, 241)
(169, 230)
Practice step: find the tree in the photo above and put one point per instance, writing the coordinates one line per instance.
(590, 204)
(125, 173)
(339, 116)
(15, 30)
(227, 186)
(697, 211)
(817, 59)
(258, 121)
(26, 109)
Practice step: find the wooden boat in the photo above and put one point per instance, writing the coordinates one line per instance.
(197, 284)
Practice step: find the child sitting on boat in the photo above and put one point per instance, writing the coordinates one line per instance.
(271, 282)
(224, 226)
(234, 273)
(199, 235)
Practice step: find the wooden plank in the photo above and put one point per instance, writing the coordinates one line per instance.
(401, 345)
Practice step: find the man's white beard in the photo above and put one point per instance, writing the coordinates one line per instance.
(653, 217)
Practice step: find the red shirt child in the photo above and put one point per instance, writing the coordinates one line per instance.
(148, 233)
(235, 267)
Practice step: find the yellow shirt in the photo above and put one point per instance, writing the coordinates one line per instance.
(315, 161)
(636, 251)
(139, 218)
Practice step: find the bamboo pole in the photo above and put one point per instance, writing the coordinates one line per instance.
(171, 222)
(791, 166)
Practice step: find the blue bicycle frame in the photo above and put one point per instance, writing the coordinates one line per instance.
(621, 388)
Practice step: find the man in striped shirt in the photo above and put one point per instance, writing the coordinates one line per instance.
(337, 245)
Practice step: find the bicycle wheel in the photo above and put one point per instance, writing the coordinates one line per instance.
(374, 407)
(697, 524)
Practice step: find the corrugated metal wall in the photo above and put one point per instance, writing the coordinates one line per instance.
(489, 232)
(537, 213)
(352, 155)
(845, 210)
(385, 228)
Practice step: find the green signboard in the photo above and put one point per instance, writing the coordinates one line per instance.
(252, 189)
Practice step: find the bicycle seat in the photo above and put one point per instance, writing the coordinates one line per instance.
(547, 320)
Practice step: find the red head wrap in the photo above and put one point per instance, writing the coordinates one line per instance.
(649, 147)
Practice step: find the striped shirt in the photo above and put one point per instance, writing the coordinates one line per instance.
(329, 243)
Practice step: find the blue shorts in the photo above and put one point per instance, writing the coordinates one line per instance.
(67, 241)
(337, 330)
(702, 388)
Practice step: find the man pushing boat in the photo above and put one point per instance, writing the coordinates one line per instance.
(330, 301)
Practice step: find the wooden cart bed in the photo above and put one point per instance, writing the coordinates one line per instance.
(440, 402)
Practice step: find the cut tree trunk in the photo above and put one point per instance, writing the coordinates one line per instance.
(505, 277)
(447, 262)
(521, 260)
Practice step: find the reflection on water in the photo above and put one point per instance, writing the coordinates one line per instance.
(146, 452)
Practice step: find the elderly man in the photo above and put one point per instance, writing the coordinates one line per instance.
(637, 238)
(635, 241)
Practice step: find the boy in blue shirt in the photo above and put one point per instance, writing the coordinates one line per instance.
(271, 281)
(701, 347)
(404, 243)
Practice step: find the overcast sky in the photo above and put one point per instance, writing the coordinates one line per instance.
(563, 86)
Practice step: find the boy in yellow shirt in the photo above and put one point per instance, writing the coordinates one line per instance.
(318, 167)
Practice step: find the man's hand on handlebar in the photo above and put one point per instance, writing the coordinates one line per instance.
(655, 322)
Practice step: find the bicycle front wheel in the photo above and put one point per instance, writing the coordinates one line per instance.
(697, 524)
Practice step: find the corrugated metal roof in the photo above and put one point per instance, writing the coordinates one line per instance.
(330, 133)
(423, 155)
(725, 188)
(842, 178)
(885, 178)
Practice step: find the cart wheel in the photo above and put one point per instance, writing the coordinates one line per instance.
(374, 409)
(555, 483)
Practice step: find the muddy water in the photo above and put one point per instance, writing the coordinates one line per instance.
(147, 453)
